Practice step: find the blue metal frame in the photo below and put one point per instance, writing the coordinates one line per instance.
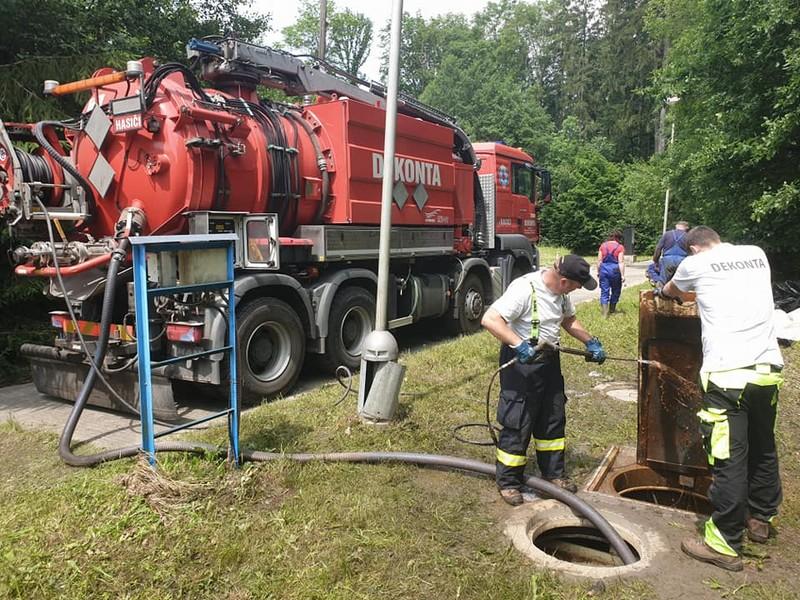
(142, 294)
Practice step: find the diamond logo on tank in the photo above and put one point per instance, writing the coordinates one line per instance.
(97, 128)
(409, 170)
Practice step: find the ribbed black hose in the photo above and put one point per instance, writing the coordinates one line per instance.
(434, 460)
(321, 163)
(38, 133)
(64, 443)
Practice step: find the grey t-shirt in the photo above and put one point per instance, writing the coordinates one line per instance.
(515, 307)
(734, 299)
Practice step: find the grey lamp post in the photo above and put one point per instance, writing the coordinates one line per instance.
(381, 376)
(670, 101)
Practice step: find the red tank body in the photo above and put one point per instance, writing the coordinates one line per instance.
(152, 167)
(155, 153)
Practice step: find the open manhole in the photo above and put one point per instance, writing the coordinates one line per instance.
(580, 545)
(557, 539)
(670, 490)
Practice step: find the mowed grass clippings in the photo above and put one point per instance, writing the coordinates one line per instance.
(288, 530)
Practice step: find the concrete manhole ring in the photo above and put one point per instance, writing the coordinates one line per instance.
(530, 521)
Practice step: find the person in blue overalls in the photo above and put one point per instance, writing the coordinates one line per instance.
(611, 271)
(670, 251)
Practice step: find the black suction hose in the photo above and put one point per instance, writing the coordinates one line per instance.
(321, 163)
(432, 460)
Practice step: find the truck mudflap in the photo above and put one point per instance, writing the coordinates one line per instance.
(61, 374)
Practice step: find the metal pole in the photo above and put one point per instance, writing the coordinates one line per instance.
(388, 165)
(666, 196)
(323, 28)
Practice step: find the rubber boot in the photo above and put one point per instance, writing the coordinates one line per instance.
(612, 309)
(604, 310)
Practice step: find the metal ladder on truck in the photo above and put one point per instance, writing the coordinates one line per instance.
(207, 263)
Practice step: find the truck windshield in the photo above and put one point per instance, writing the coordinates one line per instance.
(522, 180)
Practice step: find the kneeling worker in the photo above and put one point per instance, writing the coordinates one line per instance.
(534, 308)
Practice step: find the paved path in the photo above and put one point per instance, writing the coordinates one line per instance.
(106, 429)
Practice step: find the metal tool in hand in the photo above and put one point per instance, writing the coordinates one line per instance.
(585, 353)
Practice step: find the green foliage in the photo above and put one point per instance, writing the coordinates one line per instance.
(642, 192)
(489, 108)
(70, 39)
(348, 39)
(586, 188)
(736, 67)
(424, 45)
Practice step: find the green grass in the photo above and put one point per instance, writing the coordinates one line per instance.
(547, 255)
(286, 530)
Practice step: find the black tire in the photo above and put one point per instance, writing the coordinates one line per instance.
(272, 347)
(470, 303)
(351, 319)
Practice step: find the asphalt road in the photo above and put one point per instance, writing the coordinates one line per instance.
(106, 429)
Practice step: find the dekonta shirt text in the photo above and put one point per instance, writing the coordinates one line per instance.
(734, 299)
(515, 307)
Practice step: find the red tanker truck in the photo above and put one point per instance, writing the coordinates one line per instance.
(154, 152)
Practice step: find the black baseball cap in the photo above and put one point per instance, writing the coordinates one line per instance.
(575, 268)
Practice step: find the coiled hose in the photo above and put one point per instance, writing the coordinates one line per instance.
(38, 133)
(432, 460)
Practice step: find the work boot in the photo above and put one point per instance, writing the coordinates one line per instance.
(699, 550)
(511, 496)
(565, 483)
(757, 530)
(604, 310)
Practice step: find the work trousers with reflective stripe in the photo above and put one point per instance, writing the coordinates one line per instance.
(531, 403)
(738, 427)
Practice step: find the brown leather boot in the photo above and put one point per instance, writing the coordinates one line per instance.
(699, 550)
(511, 496)
(757, 530)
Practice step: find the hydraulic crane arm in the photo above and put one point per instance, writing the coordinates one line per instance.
(231, 59)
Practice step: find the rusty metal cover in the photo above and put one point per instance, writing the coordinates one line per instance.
(669, 398)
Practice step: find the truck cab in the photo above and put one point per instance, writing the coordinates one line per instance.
(519, 188)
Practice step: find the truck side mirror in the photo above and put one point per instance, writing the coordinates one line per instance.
(546, 188)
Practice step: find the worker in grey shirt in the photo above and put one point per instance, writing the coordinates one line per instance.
(741, 376)
(533, 309)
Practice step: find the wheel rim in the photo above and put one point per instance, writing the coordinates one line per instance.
(473, 304)
(268, 351)
(354, 329)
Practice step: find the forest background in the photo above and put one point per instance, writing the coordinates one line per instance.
(583, 85)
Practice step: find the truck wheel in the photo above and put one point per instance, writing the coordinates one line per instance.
(470, 303)
(272, 346)
(351, 319)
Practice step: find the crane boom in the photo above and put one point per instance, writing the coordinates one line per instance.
(231, 59)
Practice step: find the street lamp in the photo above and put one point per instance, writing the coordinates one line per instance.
(670, 101)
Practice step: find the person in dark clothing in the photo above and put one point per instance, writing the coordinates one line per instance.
(534, 308)
(670, 251)
(611, 271)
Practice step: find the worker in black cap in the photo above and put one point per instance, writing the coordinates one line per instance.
(533, 310)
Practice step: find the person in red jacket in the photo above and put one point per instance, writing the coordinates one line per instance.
(611, 271)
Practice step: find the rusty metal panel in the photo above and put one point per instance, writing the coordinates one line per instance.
(669, 396)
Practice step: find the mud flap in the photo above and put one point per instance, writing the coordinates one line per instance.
(64, 379)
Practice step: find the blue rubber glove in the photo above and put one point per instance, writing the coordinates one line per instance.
(596, 348)
(526, 353)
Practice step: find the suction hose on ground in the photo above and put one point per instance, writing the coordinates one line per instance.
(433, 460)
